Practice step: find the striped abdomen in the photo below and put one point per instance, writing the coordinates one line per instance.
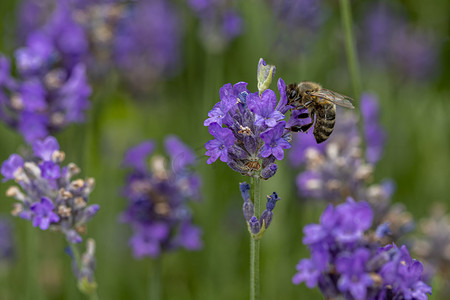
(325, 119)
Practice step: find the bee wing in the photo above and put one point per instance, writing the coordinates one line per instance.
(334, 97)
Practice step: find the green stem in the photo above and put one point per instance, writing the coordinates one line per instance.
(32, 291)
(155, 279)
(255, 244)
(346, 17)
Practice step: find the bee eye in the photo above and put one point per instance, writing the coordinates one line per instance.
(293, 93)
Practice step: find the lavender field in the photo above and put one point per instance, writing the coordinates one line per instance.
(220, 149)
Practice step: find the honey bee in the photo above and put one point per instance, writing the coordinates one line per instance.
(321, 104)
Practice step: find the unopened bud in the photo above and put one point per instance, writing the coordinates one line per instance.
(89, 185)
(254, 225)
(266, 218)
(58, 156)
(269, 171)
(17, 209)
(244, 187)
(79, 202)
(65, 194)
(64, 211)
(264, 75)
(158, 166)
(73, 169)
(32, 170)
(14, 191)
(77, 184)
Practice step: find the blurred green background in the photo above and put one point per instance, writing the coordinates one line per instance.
(414, 113)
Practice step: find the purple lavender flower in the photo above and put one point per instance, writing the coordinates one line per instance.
(180, 155)
(158, 197)
(136, 157)
(254, 135)
(358, 268)
(48, 195)
(11, 166)
(51, 89)
(147, 42)
(44, 149)
(432, 242)
(221, 145)
(43, 213)
(375, 136)
(274, 142)
(264, 109)
(355, 279)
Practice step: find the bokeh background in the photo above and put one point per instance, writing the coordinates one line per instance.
(403, 52)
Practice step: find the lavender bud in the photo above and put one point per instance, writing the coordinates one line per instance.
(266, 218)
(245, 191)
(88, 213)
(15, 192)
(264, 75)
(32, 170)
(269, 171)
(73, 169)
(271, 201)
(383, 230)
(268, 160)
(254, 225)
(58, 156)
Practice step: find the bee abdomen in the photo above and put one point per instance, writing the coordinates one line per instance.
(324, 124)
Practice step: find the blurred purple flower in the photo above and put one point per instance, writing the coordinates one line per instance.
(48, 196)
(389, 40)
(357, 267)
(374, 134)
(45, 148)
(147, 42)
(136, 157)
(10, 166)
(43, 213)
(180, 155)
(220, 22)
(157, 199)
(355, 279)
(51, 89)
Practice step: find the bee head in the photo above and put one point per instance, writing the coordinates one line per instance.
(292, 93)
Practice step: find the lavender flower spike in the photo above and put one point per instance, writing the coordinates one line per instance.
(249, 127)
(158, 194)
(358, 267)
(50, 198)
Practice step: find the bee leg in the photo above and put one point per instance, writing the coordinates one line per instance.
(299, 128)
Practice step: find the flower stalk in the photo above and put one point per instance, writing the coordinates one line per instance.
(255, 245)
(155, 279)
(346, 18)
